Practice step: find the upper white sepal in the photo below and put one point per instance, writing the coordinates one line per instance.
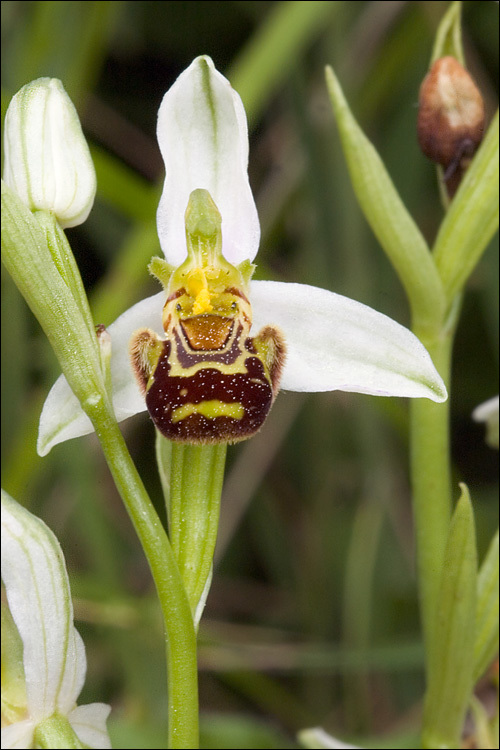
(203, 138)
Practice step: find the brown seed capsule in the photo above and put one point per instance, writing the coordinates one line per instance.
(450, 118)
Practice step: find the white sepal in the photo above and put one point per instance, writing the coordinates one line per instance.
(89, 723)
(335, 343)
(62, 417)
(203, 138)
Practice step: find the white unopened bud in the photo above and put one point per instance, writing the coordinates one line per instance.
(46, 157)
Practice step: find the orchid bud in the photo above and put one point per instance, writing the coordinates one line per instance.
(47, 159)
(450, 119)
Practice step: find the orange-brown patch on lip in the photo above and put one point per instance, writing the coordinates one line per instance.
(207, 332)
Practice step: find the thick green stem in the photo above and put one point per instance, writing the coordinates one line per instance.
(197, 473)
(180, 633)
(431, 482)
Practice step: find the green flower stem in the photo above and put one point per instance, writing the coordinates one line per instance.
(431, 483)
(180, 633)
(197, 473)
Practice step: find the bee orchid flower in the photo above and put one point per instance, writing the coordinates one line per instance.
(210, 352)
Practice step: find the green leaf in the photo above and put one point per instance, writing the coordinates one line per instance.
(449, 35)
(486, 645)
(384, 210)
(452, 646)
(472, 218)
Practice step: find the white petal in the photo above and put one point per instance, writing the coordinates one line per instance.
(89, 723)
(18, 736)
(39, 599)
(335, 343)
(203, 138)
(62, 417)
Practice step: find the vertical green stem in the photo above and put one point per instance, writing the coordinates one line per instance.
(431, 483)
(180, 633)
(197, 473)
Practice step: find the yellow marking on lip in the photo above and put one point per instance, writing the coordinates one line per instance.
(209, 409)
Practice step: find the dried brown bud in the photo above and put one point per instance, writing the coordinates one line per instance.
(450, 118)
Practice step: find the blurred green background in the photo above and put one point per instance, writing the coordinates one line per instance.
(312, 617)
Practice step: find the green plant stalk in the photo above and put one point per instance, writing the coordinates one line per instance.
(196, 477)
(180, 633)
(431, 485)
